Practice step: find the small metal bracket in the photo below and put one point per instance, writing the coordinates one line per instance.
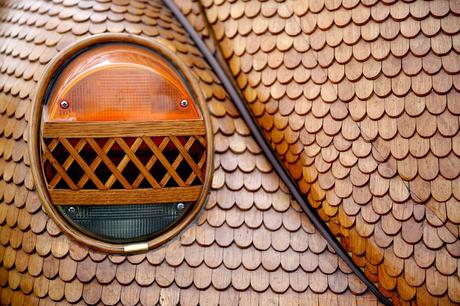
(136, 247)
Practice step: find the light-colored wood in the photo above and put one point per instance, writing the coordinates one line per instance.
(150, 163)
(164, 161)
(123, 129)
(68, 162)
(60, 171)
(136, 160)
(81, 162)
(187, 157)
(102, 156)
(202, 131)
(177, 161)
(156, 154)
(112, 179)
(124, 196)
(193, 175)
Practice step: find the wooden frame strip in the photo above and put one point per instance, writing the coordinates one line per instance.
(124, 196)
(123, 128)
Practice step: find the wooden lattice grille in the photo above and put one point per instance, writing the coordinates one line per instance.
(122, 169)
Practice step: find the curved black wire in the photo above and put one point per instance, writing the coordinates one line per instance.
(268, 151)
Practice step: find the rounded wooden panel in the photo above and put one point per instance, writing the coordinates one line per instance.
(92, 170)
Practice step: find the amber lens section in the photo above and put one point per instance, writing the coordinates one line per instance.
(120, 82)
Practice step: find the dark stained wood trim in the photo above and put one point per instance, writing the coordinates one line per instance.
(123, 128)
(124, 196)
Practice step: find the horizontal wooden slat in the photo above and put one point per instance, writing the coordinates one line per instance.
(124, 196)
(123, 128)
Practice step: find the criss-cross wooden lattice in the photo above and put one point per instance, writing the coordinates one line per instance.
(123, 169)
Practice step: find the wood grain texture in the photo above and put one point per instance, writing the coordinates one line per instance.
(123, 128)
(354, 98)
(74, 155)
(252, 243)
(124, 196)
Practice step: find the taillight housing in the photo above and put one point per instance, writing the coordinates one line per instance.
(120, 143)
(119, 82)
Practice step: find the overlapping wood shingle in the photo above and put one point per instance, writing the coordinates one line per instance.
(251, 244)
(361, 101)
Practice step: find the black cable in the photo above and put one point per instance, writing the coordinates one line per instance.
(267, 149)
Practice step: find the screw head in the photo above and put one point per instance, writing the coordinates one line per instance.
(180, 206)
(184, 103)
(64, 104)
(71, 210)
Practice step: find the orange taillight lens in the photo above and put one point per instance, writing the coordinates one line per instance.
(119, 82)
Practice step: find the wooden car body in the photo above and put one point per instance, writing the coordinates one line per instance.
(360, 100)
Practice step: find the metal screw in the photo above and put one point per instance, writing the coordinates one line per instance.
(180, 206)
(64, 104)
(184, 103)
(71, 210)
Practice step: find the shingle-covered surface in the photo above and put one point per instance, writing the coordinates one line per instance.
(250, 245)
(361, 101)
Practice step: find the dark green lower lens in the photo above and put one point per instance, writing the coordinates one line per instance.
(124, 223)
